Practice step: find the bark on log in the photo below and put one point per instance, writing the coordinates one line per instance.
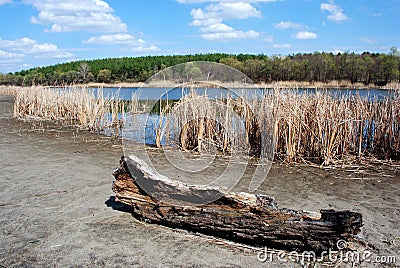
(241, 217)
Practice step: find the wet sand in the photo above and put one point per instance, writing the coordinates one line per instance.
(57, 209)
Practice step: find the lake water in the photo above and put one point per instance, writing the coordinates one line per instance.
(144, 127)
(177, 93)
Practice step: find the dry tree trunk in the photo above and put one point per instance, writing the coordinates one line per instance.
(240, 217)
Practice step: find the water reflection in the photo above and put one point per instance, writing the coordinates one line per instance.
(155, 93)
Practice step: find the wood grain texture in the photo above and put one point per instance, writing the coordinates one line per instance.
(240, 217)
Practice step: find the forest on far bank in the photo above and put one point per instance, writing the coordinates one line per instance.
(368, 68)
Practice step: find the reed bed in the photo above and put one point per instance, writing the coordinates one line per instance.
(9, 90)
(325, 129)
(197, 123)
(315, 128)
(319, 128)
(79, 107)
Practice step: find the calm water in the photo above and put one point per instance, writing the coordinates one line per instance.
(143, 127)
(177, 93)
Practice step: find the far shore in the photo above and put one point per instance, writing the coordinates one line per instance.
(277, 84)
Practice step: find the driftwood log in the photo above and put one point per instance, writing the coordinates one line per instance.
(241, 217)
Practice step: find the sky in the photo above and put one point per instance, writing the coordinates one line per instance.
(44, 32)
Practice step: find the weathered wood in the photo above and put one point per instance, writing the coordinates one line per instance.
(240, 217)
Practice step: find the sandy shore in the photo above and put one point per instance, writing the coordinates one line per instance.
(57, 209)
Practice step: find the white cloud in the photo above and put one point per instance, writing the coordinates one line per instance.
(269, 39)
(22, 44)
(145, 49)
(305, 35)
(95, 16)
(4, 55)
(211, 19)
(44, 48)
(288, 25)
(282, 46)
(77, 15)
(235, 10)
(9, 61)
(138, 45)
(205, 22)
(111, 39)
(222, 11)
(217, 28)
(70, 6)
(369, 11)
(336, 12)
(230, 1)
(26, 46)
(367, 40)
(226, 36)
(3, 2)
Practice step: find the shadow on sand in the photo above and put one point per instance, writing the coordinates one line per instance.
(118, 206)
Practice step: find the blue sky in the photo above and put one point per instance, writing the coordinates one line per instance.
(43, 32)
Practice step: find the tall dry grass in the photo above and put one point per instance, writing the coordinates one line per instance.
(312, 128)
(198, 123)
(324, 129)
(80, 107)
(9, 90)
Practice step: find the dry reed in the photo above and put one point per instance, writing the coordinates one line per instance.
(323, 129)
(9, 90)
(318, 128)
(80, 107)
(198, 123)
(310, 128)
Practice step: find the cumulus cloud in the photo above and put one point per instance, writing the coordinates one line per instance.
(222, 11)
(77, 15)
(47, 50)
(227, 36)
(367, 40)
(217, 28)
(44, 48)
(24, 44)
(230, 1)
(94, 16)
(335, 12)
(282, 46)
(269, 39)
(288, 25)
(111, 39)
(211, 19)
(3, 2)
(145, 48)
(138, 45)
(4, 55)
(306, 35)
(9, 60)
(28, 47)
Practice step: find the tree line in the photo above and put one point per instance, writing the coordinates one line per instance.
(367, 68)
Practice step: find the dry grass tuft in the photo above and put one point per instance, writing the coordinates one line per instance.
(324, 129)
(80, 107)
(9, 90)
